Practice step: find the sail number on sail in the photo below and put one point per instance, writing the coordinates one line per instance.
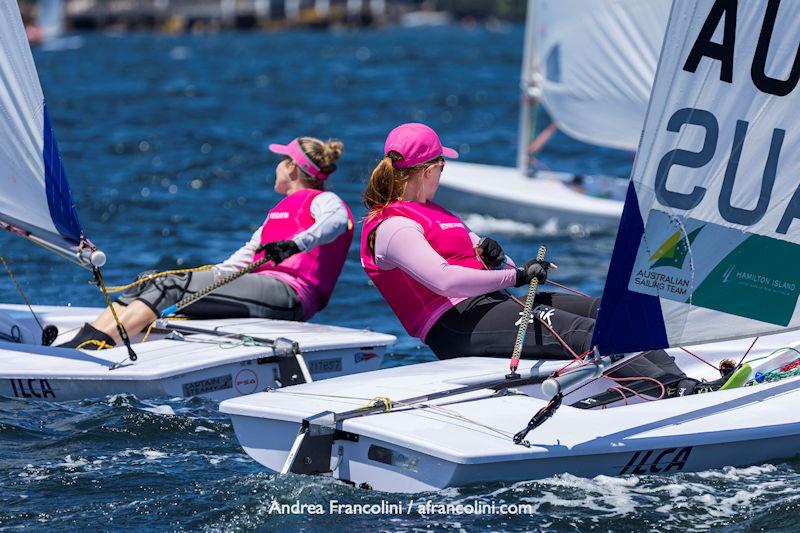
(723, 14)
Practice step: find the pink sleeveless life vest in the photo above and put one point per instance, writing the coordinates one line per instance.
(411, 301)
(318, 268)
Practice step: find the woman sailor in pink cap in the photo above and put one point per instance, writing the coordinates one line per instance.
(445, 283)
(309, 232)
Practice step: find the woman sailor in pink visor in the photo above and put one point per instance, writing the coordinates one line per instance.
(309, 232)
(445, 283)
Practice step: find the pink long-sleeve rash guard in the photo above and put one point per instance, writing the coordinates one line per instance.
(400, 243)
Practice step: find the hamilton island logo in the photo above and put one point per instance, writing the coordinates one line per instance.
(726, 277)
(673, 251)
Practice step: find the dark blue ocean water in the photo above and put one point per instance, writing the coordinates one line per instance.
(164, 139)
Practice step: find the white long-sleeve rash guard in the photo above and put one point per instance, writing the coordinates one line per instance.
(330, 221)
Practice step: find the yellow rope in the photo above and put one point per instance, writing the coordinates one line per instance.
(153, 323)
(149, 329)
(101, 345)
(120, 288)
(104, 290)
(379, 400)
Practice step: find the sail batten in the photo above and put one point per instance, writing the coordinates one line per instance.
(709, 240)
(35, 198)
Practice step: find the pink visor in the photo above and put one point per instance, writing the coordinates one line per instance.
(300, 158)
(417, 143)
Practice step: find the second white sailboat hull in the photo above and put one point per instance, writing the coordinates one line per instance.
(451, 443)
(592, 202)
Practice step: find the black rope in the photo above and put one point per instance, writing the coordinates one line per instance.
(539, 418)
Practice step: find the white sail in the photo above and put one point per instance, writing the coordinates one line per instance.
(50, 18)
(35, 200)
(593, 65)
(709, 243)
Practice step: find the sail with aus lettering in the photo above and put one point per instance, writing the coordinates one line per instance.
(709, 240)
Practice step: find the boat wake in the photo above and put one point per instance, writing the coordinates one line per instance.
(486, 225)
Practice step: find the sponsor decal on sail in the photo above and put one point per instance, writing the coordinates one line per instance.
(718, 267)
(673, 251)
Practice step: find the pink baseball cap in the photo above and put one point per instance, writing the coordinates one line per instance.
(297, 154)
(417, 143)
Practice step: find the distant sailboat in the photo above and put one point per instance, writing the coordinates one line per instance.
(48, 32)
(35, 203)
(50, 18)
(707, 250)
(590, 64)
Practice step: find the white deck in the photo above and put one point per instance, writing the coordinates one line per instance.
(469, 438)
(328, 350)
(504, 192)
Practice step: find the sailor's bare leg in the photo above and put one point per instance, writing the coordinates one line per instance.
(106, 320)
(135, 317)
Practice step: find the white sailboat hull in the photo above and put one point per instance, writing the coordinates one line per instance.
(200, 365)
(455, 443)
(592, 202)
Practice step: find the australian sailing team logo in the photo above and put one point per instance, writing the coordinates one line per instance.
(666, 272)
(674, 250)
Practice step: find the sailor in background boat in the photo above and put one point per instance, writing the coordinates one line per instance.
(309, 231)
(445, 283)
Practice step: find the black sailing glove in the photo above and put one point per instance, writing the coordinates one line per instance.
(532, 269)
(279, 250)
(491, 253)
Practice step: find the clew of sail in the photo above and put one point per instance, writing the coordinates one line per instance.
(35, 200)
(709, 241)
(593, 64)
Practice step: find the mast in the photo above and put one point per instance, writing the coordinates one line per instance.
(529, 87)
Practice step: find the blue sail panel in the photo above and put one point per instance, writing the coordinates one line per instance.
(628, 321)
(59, 198)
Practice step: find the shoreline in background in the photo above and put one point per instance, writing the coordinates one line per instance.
(179, 16)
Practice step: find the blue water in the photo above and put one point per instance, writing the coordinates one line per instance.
(164, 139)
